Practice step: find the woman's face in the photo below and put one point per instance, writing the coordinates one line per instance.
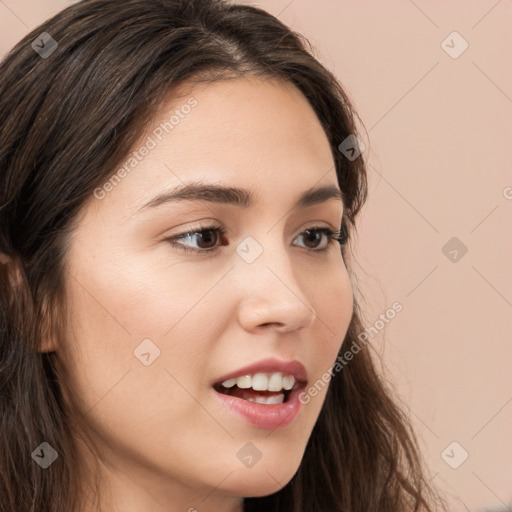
(152, 327)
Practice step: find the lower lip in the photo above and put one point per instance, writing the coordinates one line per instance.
(266, 416)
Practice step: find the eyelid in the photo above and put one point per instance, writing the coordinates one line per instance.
(333, 235)
(209, 224)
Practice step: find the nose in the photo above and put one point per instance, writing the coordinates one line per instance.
(272, 294)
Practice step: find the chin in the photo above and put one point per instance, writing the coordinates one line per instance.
(262, 483)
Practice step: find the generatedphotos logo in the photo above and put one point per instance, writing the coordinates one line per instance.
(342, 360)
(137, 156)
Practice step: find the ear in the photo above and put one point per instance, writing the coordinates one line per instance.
(45, 317)
(48, 329)
(4, 259)
(48, 344)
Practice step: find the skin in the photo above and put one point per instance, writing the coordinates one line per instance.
(164, 443)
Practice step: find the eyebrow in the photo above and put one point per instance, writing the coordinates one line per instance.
(239, 197)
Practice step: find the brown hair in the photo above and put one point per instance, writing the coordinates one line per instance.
(67, 120)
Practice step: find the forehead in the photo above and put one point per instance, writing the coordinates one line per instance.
(243, 118)
(250, 133)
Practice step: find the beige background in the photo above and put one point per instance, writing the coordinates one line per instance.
(439, 153)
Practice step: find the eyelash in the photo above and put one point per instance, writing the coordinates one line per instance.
(333, 236)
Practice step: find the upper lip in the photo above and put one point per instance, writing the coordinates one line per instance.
(294, 368)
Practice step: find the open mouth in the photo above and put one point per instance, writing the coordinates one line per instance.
(252, 395)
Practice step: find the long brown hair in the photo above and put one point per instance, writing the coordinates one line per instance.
(67, 119)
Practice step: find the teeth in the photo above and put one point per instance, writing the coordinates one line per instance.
(229, 383)
(244, 382)
(275, 382)
(288, 382)
(277, 399)
(262, 382)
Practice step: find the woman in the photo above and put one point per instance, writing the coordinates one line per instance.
(175, 279)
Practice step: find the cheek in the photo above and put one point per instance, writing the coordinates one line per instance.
(126, 383)
(334, 303)
(342, 308)
(334, 308)
(147, 297)
(130, 318)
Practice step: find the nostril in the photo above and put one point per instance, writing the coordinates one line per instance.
(277, 324)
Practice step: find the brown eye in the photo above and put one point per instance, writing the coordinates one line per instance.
(313, 237)
(205, 239)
